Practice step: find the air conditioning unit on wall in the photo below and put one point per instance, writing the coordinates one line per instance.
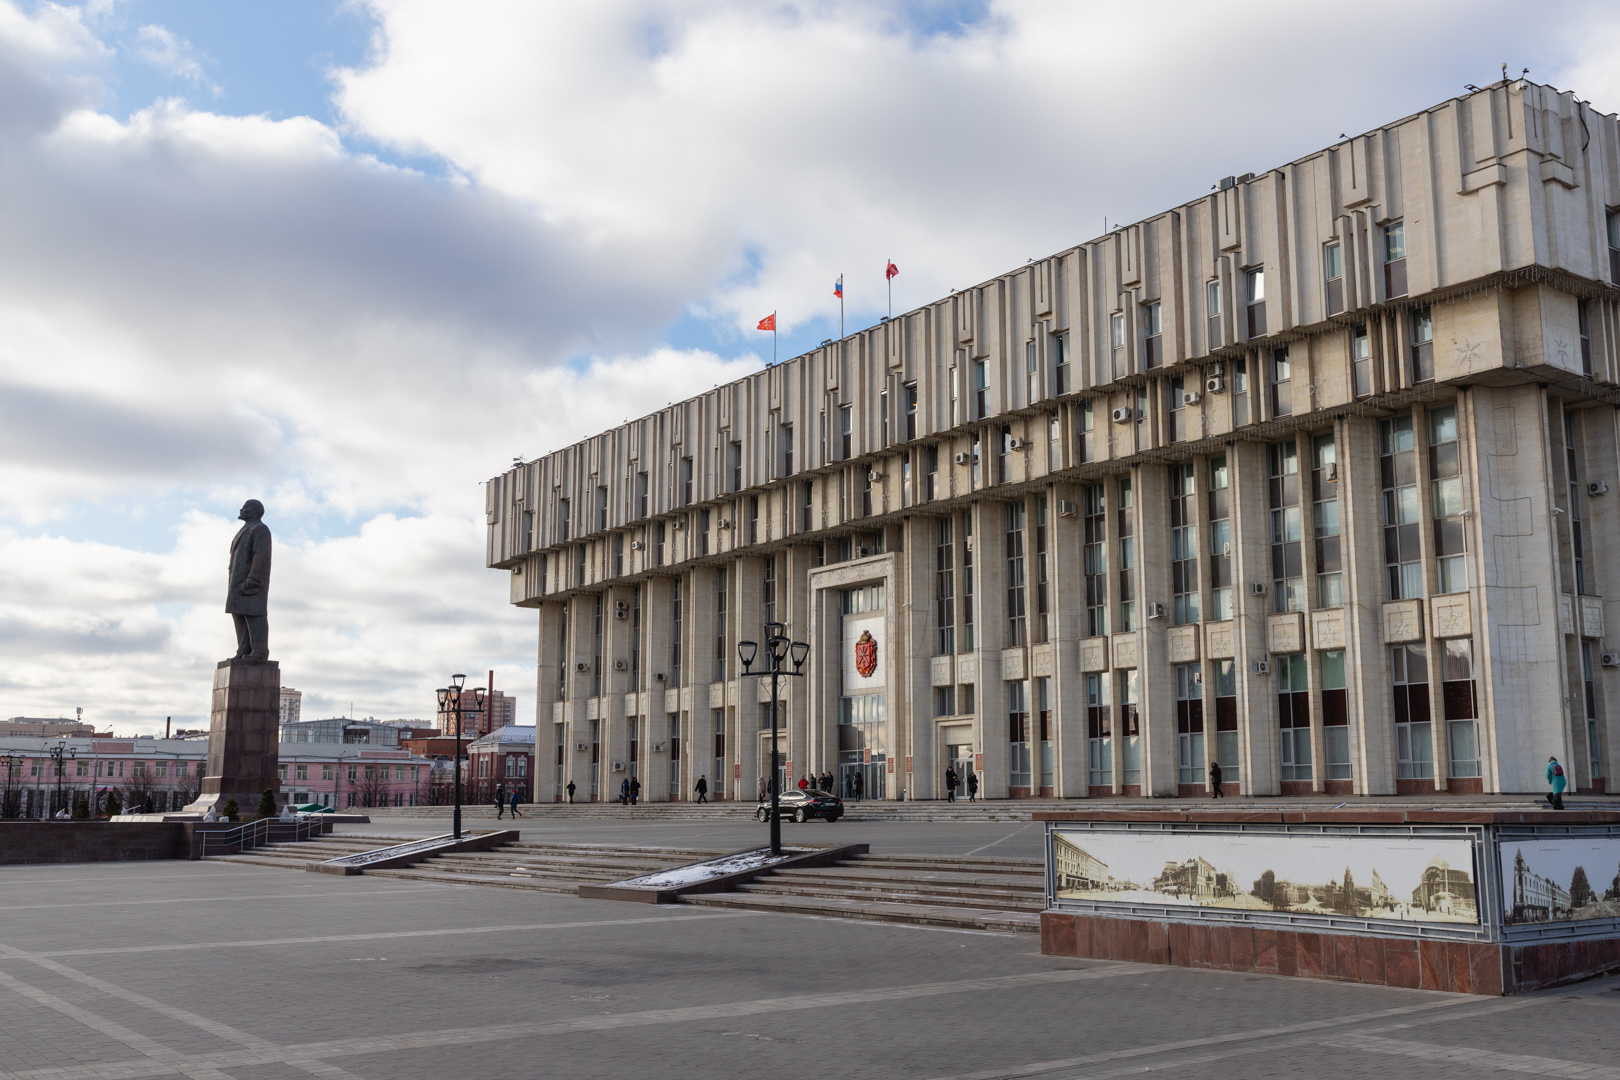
(621, 609)
(1016, 444)
(620, 665)
(618, 766)
(636, 545)
(1611, 659)
(1123, 415)
(582, 666)
(1067, 509)
(1257, 588)
(1189, 397)
(1215, 385)
(961, 459)
(1260, 667)
(1597, 487)
(580, 747)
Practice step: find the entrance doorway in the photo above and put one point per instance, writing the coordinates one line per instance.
(859, 779)
(959, 758)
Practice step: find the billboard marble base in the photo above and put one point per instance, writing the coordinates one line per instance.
(1465, 902)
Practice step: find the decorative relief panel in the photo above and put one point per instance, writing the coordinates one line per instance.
(1327, 629)
(1041, 661)
(717, 695)
(1452, 616)
(593, 708)
(1013, 666)
(672, 701)
(1220, 640)
(763, 695)
(1094, 654)
(1403, 620)
(942, 671)
(1125, 650)
(1183, 644)
(1591, 616)
(1285, 633)
(1566, 614)
(556, 712)
(967, 670)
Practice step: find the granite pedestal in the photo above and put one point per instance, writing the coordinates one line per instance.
(1469, 902)
(243, 736)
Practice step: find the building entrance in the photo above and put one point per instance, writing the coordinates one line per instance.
(959, 759)
(858, 779)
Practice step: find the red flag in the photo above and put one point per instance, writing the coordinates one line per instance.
(768, 322)
(891, 271)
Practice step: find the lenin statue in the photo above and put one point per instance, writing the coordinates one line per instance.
(250, 584)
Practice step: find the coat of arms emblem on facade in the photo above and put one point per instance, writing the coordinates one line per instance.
(866, 654)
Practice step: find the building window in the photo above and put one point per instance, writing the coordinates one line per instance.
(675, 637)
(1282, 398)
(1612, 220)
(1099, 732)
(1461, 706)
(596, 651)
(1583, 317)
(1004, 452)
(1189, 724)
(1175, 406)
(564, 517)
(1018, 734)
(1039, 575)
(1333, 274)
(1394, 259)
(1414, 746)
(1131, 721)
(1226, 725)
(866, 492)
(705, 524)
(846, 430)
(768, 589)
(753, 519)
(911, 410)
(1054, 443)
(1398, 465)
(641, 495)
(528, 530)
(1294, 717)
(1589, 687)
(618, 554)
(1325, 523)
(327, 772)
(1183, 544)
(1152, 334)
(784, 439)
(966, 644)
(1094, 556)
(659, 538)
(883, 418)
(1422, 344)
(931, 472)
(1127, 556)
(1032, 374)
(1335, 715)
(736, 466)
(1116, 337)
(686, 481)
(1060, 363)
(981, 391)
(1139, 431)
(944, 701)
(956, 395)
(1287, 568)
(721, 653)
(1212, 312)
(718, 783)
(807, 505)
(579, 564)
(1577, 530)
(601, 509)
(635, 638)
(1240, 392)
(1360, 361)
(1017, 633)
(1254, 286)
(301, 773)
(1446, 497)
(1044, 730)
(1220, 540)
(1088, 437)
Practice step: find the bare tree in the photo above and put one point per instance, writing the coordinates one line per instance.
(373, 786)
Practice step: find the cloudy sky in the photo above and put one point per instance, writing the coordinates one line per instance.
(351, 258)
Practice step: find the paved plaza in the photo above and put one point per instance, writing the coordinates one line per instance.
(215, 970)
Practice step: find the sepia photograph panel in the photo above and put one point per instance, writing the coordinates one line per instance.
(1560, 880)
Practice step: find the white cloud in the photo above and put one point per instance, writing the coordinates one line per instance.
(197, 307)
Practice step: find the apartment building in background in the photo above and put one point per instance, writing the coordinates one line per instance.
(1300, 476)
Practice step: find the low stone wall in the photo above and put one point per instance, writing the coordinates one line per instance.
(91, 841)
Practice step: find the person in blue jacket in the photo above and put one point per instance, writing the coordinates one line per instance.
(1556, 780)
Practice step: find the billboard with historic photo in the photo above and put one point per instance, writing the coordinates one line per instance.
(1401, 878)
(1560, 880)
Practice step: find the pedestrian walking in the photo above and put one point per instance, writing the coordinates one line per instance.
(860, 785)
(570, 790)
(515, 812)
(761, 789)
(1557, 781)
(624, 792)
(950, 784)
(1215, 778)
(827, 782)
(635, 790)
(804, 784)
(973, 786)
(500, 801)
(702, 789)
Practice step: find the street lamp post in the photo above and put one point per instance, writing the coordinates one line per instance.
(9, 762)
(450, 698)
(777, 650)
(60, 754)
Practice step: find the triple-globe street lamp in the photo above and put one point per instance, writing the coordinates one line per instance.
(450, 698)
(61, 753)
(778, 650)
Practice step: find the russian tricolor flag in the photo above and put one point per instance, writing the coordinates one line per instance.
(838, 287)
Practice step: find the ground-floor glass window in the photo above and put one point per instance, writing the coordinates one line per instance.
(1335, 716)
(1226, 725)
(674, 755)
(717, 781)
(1189, 724)
(1043, 721)
(1294, 717)
(1414, 745)
(863, 747)
(1018, 734)
(1131, 721)
(1100, 743)
(1595, 757)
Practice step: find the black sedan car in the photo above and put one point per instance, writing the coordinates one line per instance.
(804, 805)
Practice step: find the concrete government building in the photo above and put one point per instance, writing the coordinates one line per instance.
(1301, 476)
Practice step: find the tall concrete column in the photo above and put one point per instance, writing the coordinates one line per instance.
(915, 616)
(1158, 682)
(1257, 694)
(990, 622)
(1067, 575)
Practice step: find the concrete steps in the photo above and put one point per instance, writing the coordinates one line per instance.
(546, 867)
(1005, 895)
(299, 854)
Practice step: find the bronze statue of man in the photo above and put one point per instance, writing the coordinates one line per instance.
(250, 584)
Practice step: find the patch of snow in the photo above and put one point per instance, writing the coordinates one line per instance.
(694, 873)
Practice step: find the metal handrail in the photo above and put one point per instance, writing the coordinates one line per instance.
(253, 834)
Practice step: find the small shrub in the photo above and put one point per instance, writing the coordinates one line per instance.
(81, 811)
(115, 805)
(232, 811)
(267, 804)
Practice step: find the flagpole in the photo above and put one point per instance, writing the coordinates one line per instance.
(890, 279)
(773, 339)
